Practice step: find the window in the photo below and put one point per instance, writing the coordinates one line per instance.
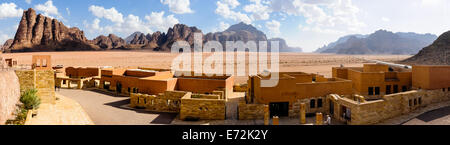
(415, 102)
(319, 103)
(395, 89)
(64, 82)
(370, 90)
(388, 89)
(312, 104)
(420, 101)
(410, 102)
(448, 89)
(377, 90)
(404, 88)
(443, 89)
(129, 89)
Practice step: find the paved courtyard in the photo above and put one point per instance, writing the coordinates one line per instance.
(108, 109)
(436, 117)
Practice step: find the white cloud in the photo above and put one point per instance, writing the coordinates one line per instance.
(385, 19)
(111, 14)
(260, 10)
(10, 10)
(28, 1)
(48, 9)
(123, 26)
(232, 3)
(68, 11)
(224, 26)
(159, 22)
(178, 6)
(340, 15)
(225, 11)
(274, 27)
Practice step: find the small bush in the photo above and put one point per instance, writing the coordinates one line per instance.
(21, 116)
(30, 99)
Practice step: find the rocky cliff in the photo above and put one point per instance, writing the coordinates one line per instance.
(41, 33)
(437, 53)
(109, 42)
(9, 95)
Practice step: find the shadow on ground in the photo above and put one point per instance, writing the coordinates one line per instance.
(163, 118)
(435, 114)
(112, 94)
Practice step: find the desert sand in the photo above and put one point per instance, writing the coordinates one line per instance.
(305, 62)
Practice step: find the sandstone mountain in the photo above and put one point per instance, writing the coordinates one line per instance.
(131, 37)
(110, 42)
(41, 33)
(437, 53)
(380, 42)
(244, 32)
(161, 41)
(240, 32)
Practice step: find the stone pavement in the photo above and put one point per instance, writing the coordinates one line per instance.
(64, 112)
(438, 112)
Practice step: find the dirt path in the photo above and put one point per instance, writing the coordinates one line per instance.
(106, 109)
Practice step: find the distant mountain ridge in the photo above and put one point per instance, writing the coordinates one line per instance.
(237, 32)
(40, 33)
(437, 53)
(380, 42)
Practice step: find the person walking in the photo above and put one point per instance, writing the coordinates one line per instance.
(328, 121)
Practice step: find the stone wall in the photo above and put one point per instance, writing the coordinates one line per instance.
(371, 112)
(203, 109)
(9, 95)
(250, 111)
(294, 112)
(167, 102)
(41, 80)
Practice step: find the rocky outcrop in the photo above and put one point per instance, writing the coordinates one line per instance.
(437, 53)
(110, 42)
(240, 32)
(380, 42)
(245, 33)
(163, 42)
(9, 95)
(7, 44)
(41, 33)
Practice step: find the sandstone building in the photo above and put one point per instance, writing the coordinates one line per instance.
(375, 80)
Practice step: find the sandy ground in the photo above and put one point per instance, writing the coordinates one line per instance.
(305, 62)
(64, 112)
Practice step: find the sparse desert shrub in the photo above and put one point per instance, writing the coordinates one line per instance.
(30, 99)
(21, 116)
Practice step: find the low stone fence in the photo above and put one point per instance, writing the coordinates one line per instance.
(371, 112)
(250, 111)
(167, 102)
(202, 109)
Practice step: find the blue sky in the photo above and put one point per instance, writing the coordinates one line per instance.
(303, 23)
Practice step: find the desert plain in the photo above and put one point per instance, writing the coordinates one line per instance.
(288, 62)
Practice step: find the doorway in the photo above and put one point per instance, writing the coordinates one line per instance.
(280, 109)
(118, 87)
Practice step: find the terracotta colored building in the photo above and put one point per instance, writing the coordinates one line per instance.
(375, 80)
(156, 81)
(294, 87)
(431, 77)
(82, 72)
